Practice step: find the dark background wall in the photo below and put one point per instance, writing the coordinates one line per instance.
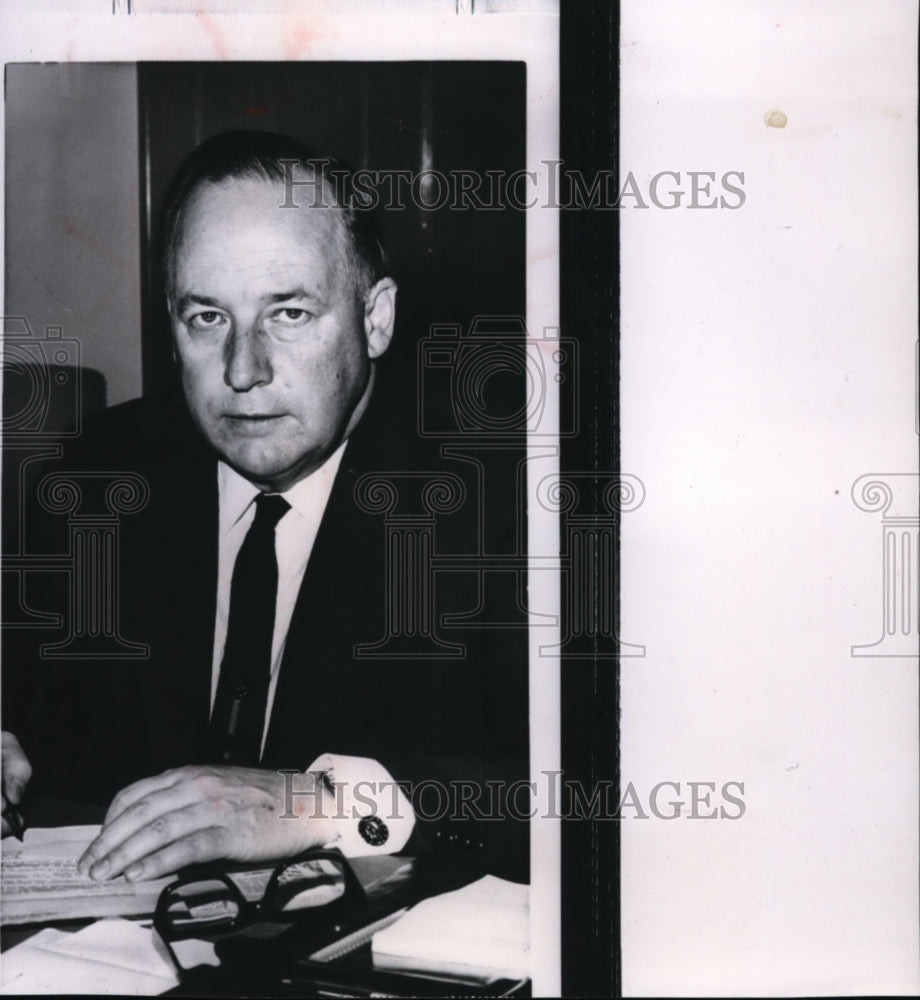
(451, 265)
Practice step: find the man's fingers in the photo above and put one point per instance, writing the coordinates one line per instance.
(207, 844)
(16, 769)
(190, 815)
(127, 797)
(153, 837)
(100, 861)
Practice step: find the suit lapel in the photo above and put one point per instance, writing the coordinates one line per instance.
(340, 601)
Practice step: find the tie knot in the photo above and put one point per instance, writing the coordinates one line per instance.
(270, 508)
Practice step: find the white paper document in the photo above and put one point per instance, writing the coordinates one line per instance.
(108, 957)
(481, 931)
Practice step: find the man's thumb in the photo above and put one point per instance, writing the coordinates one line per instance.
(13, 789)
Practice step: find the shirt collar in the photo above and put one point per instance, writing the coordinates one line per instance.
(306, 496)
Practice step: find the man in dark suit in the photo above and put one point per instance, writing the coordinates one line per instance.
(252, 573)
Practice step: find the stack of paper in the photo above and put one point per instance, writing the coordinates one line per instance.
(481, 931)
(39, 880)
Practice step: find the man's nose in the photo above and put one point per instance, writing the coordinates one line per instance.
(247, 363)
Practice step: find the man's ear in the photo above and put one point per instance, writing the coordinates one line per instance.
(379, 317)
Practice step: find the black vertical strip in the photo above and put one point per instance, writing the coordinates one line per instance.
(146, 248)
(589, 307)
(156, 368)
(144, 208)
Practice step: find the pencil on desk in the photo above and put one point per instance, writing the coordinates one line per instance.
(357, 938)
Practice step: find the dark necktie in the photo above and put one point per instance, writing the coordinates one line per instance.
(242, 689)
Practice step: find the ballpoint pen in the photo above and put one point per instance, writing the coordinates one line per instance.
(14, 817)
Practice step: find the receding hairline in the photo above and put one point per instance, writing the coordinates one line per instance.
(361, 271)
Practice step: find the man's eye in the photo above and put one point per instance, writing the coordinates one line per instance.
(205, 320)
(292, 316)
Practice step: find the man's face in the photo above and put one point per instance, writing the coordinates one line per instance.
(274, 342)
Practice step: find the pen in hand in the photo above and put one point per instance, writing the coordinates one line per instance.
(14, 819)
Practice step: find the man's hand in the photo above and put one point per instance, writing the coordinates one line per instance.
(16, 771)
(194, 814)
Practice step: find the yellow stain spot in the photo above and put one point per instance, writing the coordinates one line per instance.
(775, 119)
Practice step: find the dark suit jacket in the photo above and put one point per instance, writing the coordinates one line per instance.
(93, 726)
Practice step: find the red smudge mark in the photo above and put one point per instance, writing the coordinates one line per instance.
(299, 35)
(255, 111)
(217, 39)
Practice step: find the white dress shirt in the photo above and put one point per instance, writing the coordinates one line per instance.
(295, 535)
(294, 538)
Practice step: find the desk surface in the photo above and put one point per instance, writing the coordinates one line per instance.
(347, 976)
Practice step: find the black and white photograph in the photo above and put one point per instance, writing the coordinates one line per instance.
(459, 498)
(272, 612)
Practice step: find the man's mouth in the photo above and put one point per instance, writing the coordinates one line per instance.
(253, 423)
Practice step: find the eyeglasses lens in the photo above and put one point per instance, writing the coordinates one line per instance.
(305, 884)
(201, 905)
